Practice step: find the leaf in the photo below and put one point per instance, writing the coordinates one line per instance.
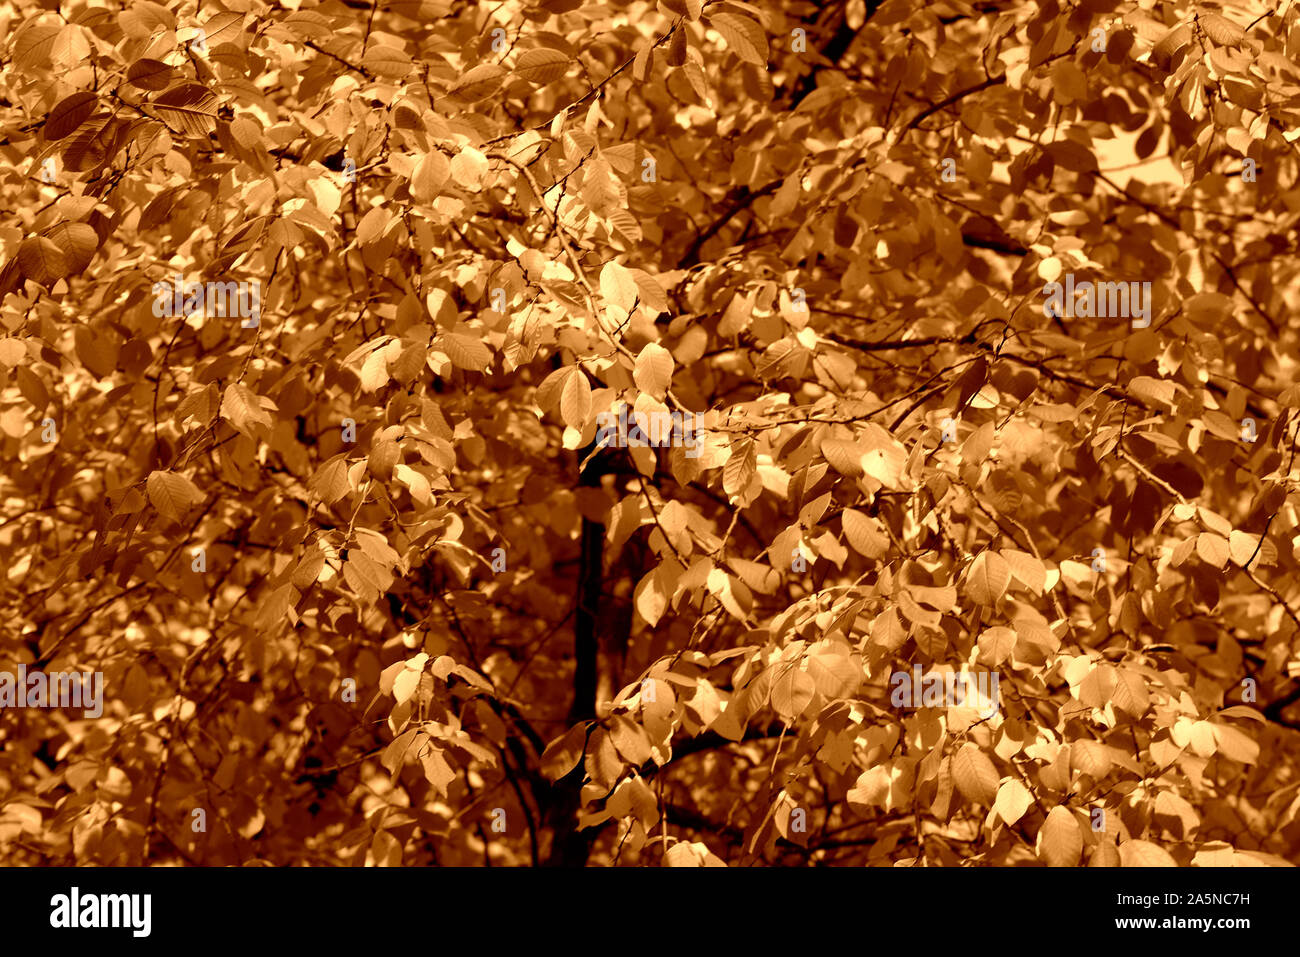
(465, 352)
(468, 167)
(159, 208)
(1152, 391)
(1098, 686)
(376, 546)
(884, 457)
(1241, 711)
(871, 788)
(1236, 744)
(743, 35)
(190, 106)
(93, 144)
(1221, 30)
(1091, 758)
(1170, 805)
(1060, 841)
(793, 691)
(617, 285)
(241, 407)
(575, 400)
(864, 533)
(245, 238)
(68, 114)
(389, 62)
(330, 481)
(1241, 546)
(1069, 82)
(542, 65)
(12, 351)
(563, 754)
(630, 739)
(1144, 854)
(844, 455)
(274, 607)
(974, 774)
(988, 578)
(32, 388)
(1173, 41)
(428, 178)
(77, 242)
(691, 854)
(31, 48)
(97, 353)
(1130, 694)
(650, 291)
(223, 27)
(1026, 569)
(373, 225)
(367, 577)
(834, 675)
(418, 484)
(436, 770)
(405, 684)
(694, 74)
(1073, 156)
(479, 83)
(650, 598)
(394, 755)
(308, 570)
(374, 371)
(996, 646)
(1013, 801)
(41, 260)
(150, 74)
(653, 372)
(1213, 548)
(246, 132)
(172, 494)
(740, 468)
(550, 389)
(70, 47)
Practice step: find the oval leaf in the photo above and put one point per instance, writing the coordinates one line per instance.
(1060, 842)
(68, 114)
(542, 66)
(974, 774)
(988, 578)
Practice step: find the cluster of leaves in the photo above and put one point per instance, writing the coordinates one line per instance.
(362, 586)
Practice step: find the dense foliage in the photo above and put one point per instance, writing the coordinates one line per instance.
(363, 586)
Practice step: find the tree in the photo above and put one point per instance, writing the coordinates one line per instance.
(630, 433)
